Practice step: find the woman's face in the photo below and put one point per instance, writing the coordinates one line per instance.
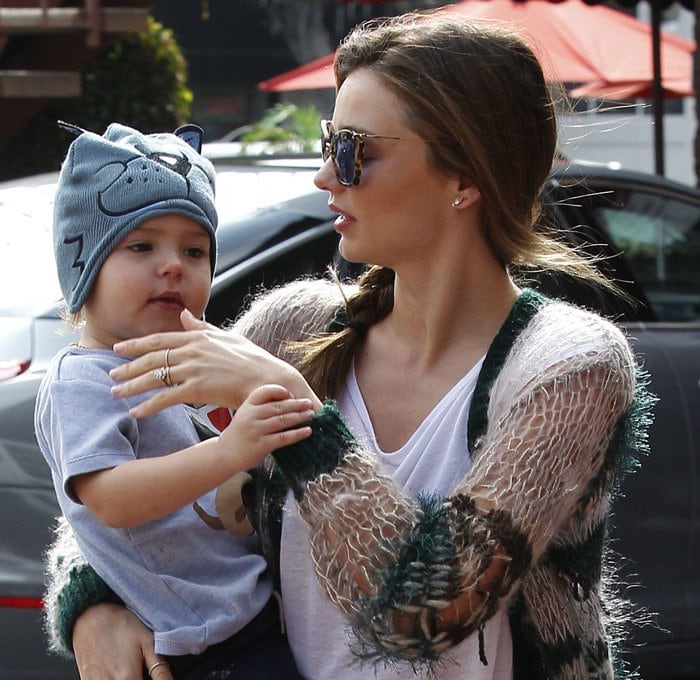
(394, 215)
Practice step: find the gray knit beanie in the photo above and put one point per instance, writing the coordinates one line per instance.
(110, 184)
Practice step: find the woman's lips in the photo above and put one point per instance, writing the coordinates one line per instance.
(343, 220)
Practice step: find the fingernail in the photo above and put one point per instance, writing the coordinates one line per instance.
(118, 346)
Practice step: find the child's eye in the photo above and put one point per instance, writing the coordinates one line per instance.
(196, 252)
(140, 247)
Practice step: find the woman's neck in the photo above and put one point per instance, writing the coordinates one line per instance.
(444, 313)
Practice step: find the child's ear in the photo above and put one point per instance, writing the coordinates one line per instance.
(192, 134)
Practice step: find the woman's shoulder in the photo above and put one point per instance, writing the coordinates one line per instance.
(291, 312)
(565, 327)
(558, 340)
(561, 336)
(317, 294)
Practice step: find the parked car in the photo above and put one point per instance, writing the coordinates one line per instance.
(275, 228)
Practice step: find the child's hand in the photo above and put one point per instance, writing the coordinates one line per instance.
(268, 419)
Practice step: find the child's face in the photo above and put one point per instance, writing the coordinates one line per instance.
(154, 272)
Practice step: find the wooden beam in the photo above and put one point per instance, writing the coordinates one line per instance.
(39, 84)
(32, 20)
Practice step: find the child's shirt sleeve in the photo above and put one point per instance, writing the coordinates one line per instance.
(86, 428)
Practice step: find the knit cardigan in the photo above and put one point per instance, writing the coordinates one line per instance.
(550, 442)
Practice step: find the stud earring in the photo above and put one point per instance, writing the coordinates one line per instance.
(457, 201)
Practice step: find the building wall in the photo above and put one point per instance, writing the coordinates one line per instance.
(626, 135)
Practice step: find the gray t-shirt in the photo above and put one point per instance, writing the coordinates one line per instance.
(193, 586)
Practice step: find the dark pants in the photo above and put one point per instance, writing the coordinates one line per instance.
(258, 652)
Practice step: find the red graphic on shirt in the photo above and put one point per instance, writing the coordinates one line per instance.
(219, 418)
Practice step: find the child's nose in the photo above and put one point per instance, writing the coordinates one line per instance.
(172, 265)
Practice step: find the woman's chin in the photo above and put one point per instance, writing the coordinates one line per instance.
(352, 253)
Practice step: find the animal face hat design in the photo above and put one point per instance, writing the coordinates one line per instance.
(110, 184)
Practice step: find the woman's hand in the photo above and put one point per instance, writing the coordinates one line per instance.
(206, 365)
(110, 643)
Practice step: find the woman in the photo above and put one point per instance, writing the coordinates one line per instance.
(455, 498)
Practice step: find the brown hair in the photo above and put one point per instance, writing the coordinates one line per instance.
(478, 93)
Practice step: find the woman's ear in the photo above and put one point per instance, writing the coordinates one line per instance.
(470, 192)
(466, 195)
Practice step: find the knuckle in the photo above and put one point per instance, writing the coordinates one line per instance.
(154, 341)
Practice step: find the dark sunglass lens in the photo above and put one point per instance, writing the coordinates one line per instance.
(345, 159)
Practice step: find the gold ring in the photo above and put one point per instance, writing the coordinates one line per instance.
(155, 665)
(165, 359)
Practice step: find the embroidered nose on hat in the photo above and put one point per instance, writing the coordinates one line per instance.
(110, 184)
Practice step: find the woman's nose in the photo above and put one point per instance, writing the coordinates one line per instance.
(325, 178)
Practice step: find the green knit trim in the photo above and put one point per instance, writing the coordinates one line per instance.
(582, 562)
(84, 588)
(319, 453)
(563, 653)
(622, 670)
(424, 570)
(630, 440)
(525, 307)
(498, 526)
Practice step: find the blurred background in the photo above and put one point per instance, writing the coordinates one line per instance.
(257, 76)
(157, 64)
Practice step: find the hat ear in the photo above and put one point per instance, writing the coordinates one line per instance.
(70, 127)
(191, 134)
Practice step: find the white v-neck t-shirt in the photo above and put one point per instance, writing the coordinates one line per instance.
(432, 461)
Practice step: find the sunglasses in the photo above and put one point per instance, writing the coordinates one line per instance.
(347, 148)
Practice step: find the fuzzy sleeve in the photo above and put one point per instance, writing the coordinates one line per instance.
(416, 576)
(291, 312)
(72, 586)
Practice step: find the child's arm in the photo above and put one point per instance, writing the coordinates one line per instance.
(142, 490)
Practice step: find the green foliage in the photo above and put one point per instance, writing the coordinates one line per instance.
(140, 81)
(286, 128)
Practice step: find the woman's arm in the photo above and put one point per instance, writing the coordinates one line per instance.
(111, 644)
(416, 576)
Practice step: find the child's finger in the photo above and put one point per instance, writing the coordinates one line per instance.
(285, 421)
(278, 440)
(279, 409)
(268, 393)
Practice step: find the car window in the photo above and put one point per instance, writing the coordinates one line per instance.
(28, 278)
(660, 239)
(309, 257)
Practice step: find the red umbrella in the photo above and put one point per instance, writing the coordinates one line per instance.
(314, 75)
(608, 51)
